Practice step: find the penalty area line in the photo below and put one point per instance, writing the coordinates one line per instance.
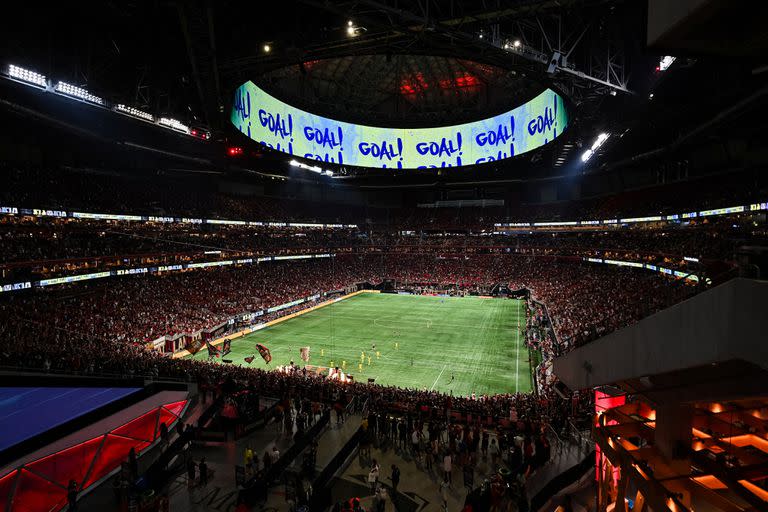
(438, 377)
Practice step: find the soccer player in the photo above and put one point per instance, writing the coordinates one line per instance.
(344, 364)
(378, 354)
(397, 345)
(360, 367)
(373, 346)
(369, 360)
(330, 365)
(322, 352)
(362, 355)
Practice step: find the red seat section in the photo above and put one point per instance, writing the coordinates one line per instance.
(6, 487)
(114, 451)
(143, 427)
(69, 464)
(176, 407)
(34, 493)
(41, 485)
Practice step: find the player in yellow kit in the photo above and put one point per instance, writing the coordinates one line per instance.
(360, 367)
(369, 360)
(344, 365)
(378, 354)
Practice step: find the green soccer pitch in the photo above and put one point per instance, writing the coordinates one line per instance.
(463, 345)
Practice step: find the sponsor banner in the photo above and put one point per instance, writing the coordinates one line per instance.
(72, 279)
(49, 213)
(131, 271)
(642, 219)
(104, 216)
(12, 287)
(721, 211)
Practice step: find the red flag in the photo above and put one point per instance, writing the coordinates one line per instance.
(249, 359)
(194, 346)
(212, 351)
(264, 351)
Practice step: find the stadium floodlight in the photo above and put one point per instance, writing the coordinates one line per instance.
(313, 168)
(665, 62)
(595, 145)
(134, 112)
(267, 48)
(77, 92)
(173, 124)
(26, 75)
(517, 43)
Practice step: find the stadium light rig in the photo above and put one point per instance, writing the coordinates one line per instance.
(665, 62)
(27, 76)
(134, 112)
(311, 168)
(77, 92)
(595, 146)
(174, 124)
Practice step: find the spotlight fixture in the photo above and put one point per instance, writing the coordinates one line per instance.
(77, 92)
(595, 145)
(173, 123)
(26, 75)
(517, 43)
(134, 112)
(267, 48)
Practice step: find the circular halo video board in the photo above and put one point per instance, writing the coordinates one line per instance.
(277, 125)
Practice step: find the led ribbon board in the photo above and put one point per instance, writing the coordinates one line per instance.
(282, 127)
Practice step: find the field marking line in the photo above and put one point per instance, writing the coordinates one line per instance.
(438, 377)
(517, 350)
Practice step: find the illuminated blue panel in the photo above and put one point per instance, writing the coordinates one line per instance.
(26, 412)
(282, 127)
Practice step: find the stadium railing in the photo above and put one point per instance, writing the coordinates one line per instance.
(320, 485)
(250, 493)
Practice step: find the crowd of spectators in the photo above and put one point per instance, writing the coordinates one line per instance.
(105, 326)
(107, 191)
(584, 300)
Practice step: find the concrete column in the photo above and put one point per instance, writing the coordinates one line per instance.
(673, 430)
